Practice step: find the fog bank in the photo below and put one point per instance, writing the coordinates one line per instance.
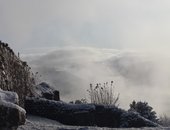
(137, 76)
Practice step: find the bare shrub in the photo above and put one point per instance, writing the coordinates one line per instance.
(164, 120)
(36, 78)
(103, 94)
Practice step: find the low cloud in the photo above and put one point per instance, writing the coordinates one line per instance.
(136, 76)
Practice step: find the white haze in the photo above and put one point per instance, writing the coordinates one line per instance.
(121, 24)
(137, 75)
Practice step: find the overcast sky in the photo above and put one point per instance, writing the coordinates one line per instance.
(118, 24)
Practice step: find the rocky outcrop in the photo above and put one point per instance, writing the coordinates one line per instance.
(15, 74)
(133, 119)
(16, 83)
(11, 115)
(44, 90)
(85, 114)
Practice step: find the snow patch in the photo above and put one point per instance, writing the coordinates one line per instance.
(39, 123)
(9, 96)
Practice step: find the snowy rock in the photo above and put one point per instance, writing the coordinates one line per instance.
(133, 119)
(11, 115)
(60, 111)
(44, 90)
(85, 114)
(9, 96)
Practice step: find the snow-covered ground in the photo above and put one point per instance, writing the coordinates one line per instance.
(39, 123)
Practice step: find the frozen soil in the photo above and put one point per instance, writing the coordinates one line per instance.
(39, 123)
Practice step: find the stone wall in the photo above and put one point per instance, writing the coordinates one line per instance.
(85, 114)
(15, 74)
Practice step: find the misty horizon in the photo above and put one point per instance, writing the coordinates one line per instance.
(136, 75)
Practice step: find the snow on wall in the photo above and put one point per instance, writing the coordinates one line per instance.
(39, 123)
(85, 114)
